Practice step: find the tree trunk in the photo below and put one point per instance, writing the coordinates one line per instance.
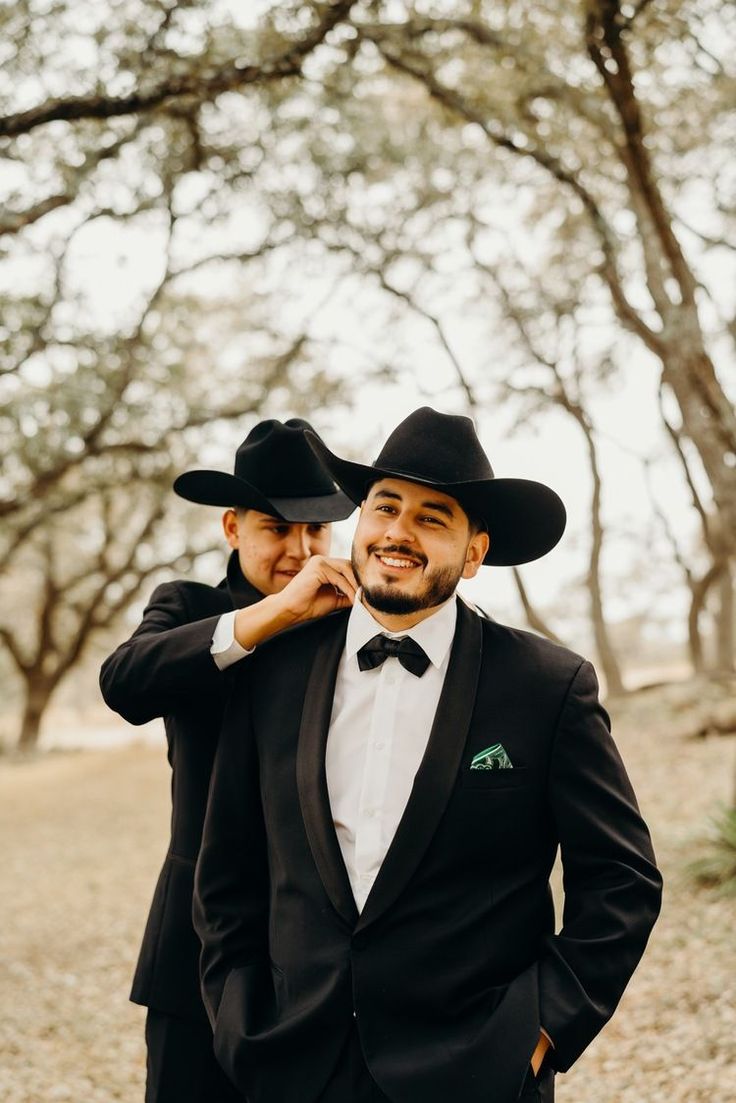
(707, 420)
(699, 591)
(724, 623)
(606, 654)
(708, 416)
(38, 695)
(694, 639)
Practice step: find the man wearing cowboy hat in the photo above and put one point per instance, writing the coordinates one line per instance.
(280, 502)
(390, 789)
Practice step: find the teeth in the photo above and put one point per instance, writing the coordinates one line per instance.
(396, 562)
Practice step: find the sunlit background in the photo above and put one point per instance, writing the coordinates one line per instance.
(214, 213)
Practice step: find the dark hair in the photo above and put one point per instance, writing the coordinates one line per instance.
(476, 523)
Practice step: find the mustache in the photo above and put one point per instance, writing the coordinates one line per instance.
(398, 549)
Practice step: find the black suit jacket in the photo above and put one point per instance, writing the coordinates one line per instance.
(453, 965)
(166, 669)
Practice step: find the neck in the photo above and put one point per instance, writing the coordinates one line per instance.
(399, 622)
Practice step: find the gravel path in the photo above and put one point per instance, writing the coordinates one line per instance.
(82, 838)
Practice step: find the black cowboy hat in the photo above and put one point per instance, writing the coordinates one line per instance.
(525, 519)
(276, 472)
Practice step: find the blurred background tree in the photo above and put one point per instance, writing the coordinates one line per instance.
(213, 214)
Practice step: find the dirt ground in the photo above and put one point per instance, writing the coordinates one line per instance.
(83, 834)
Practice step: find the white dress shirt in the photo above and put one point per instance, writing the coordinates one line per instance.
(225, 649)
(379, 729)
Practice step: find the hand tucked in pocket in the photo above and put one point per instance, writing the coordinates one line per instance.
(538, 1056)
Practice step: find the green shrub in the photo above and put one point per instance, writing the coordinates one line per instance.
(717, 869)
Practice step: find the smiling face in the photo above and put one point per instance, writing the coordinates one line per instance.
(412, 546)
(271, 551)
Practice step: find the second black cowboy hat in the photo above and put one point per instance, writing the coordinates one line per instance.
(276, 472)
(525, 519)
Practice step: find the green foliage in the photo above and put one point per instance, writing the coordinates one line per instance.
(717, 869)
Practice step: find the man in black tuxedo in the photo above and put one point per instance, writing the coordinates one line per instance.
(390, 789)
(176, 665)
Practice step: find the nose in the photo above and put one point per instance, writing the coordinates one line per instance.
(399, 529)
(298, 546)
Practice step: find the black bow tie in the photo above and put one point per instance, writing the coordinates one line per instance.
(411, 656)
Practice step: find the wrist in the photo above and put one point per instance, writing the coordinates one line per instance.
(277, 612)
(540, 1051)
(257, 623)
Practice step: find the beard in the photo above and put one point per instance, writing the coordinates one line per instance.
(439, 585)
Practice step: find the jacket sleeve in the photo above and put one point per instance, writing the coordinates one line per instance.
(230, 911)
(612, 889)
(165, 660)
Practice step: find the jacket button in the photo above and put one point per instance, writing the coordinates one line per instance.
(359, 942)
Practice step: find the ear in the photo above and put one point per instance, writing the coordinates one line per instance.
(230, 527)
(476, 553)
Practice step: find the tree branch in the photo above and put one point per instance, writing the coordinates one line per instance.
(231, 78)
(533, 618)
(608, 52)
(661, 516)
(436, 324)
(12, 222)
(454, 102)
(676, 437)
(14, 651)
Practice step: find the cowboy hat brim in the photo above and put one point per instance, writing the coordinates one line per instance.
(218, 488)
(525, 519)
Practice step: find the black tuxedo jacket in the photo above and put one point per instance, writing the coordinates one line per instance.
(166, 669)
(453, 965)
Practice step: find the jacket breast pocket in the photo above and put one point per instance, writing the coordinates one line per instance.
(493, 781)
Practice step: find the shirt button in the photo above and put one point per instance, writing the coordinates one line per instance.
(379, 746)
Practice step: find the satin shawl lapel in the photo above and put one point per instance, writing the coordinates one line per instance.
(311, 775)
(436, 775)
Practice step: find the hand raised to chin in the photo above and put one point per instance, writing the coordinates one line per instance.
(322, 586)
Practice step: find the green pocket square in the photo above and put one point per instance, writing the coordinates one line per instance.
(492, 758)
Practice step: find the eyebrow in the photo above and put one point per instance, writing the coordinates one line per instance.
(439, 507)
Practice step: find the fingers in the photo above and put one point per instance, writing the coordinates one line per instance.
(341, 600)
(322, 586)
(339, 574)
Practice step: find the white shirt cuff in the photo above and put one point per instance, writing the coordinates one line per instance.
(547, 1037)
(225, 649)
